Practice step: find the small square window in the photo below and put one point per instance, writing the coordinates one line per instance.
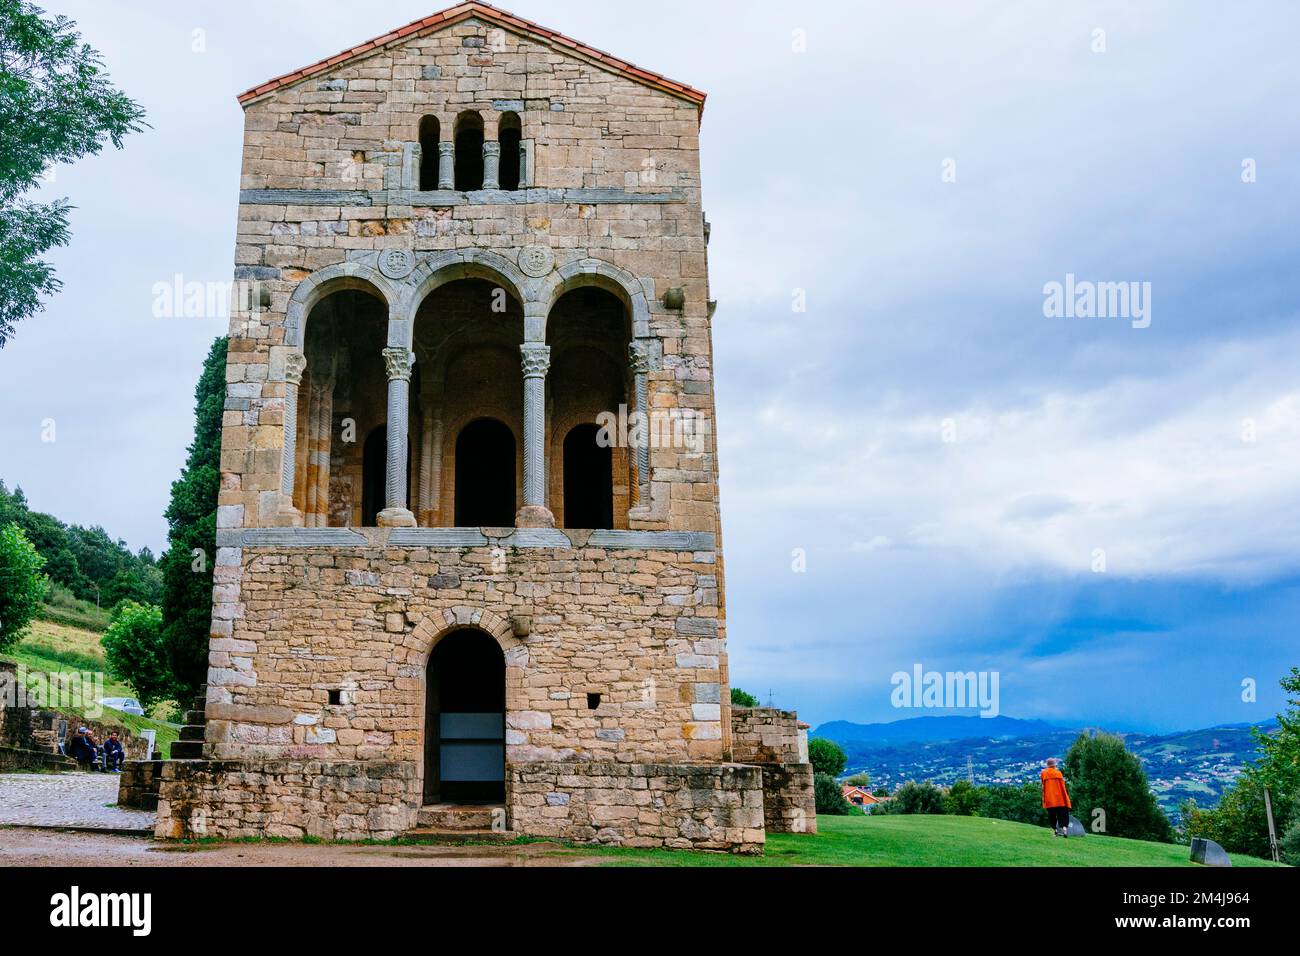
(593, 701)
(336, 697)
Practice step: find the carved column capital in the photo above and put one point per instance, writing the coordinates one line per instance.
(491, 148)
(638, 354)
(536, 360)
(295, 364)
(446, 148)
(398, 363)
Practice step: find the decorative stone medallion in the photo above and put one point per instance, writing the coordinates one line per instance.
(396, 263)
(536, 261)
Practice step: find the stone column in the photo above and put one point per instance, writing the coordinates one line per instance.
(491, 165)
(534, 513)
(446, 165)
(396, 514)
(523, 166)
(294, 365)
(639, 363)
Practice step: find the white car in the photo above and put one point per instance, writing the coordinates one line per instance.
(127, 705)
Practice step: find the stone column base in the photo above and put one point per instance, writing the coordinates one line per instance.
(287, 516)
(395, 518)
(534, 516)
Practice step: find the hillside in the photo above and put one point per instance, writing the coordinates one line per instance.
(53, 648)
(1195, 763)
(934, 841)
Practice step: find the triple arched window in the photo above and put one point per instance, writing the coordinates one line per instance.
(474, 162)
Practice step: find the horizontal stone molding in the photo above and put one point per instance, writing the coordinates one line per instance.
(270, 538)
(589, 196)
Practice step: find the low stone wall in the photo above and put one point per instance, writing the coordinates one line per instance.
(766, 735)
(16, 758)
(684, 806)
(789, 804)
(138, 784)
(286, 798)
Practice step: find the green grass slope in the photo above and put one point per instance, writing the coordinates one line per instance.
(54, 648)
(930, 841)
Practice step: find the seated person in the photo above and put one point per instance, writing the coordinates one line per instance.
(114, 754)
(81, 748)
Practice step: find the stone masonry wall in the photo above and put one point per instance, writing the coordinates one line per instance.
(286, 798)
(640, 628)
(713, 807)
(766, 735)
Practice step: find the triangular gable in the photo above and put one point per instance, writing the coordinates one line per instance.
(501, 18)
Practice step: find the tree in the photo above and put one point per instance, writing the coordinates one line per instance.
(963, 799)
(22, 585)
(740, 698)
(1022, 804)
(826, 756)
(913, 797)
(860, 779)
(134, 651)
(192, 535)
(56, 106)
(1103, 775)
(828, 797)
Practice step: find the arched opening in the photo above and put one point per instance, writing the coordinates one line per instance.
(464, 722)
(469, 151)
(588, 330)
(341, 400)
(485, 475)
(588, 479)
(509, 134)
(429, 137)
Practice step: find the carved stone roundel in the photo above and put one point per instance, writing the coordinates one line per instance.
(396, 263)
(536, 261)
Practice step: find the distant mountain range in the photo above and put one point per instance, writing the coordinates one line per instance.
(1199, 764)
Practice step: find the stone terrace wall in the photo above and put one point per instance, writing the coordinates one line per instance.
(766, 735)
(789, 803)
(713, 807)
(286, 798)
(640, 628)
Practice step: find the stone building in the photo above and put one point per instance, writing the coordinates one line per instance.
(469, 550)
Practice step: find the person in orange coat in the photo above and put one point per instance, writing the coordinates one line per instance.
(1056, 799)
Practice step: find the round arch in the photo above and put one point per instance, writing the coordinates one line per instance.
(326, 281)
(603, 275)
(424, 637)
(444, 267)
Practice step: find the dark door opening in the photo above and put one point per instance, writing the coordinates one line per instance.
(588, 480)
(465, 726)
(374, 469)
(485, 475)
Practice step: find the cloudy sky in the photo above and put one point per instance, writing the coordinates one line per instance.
(919, 466)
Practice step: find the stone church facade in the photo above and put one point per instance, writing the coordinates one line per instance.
(469, 548)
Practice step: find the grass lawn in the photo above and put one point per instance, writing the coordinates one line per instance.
(53, 648)
(928, 841)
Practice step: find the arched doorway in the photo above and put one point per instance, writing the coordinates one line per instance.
(485, 475)
(465, 729)
(588, 480)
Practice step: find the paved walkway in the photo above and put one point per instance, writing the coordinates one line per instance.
(67, 800)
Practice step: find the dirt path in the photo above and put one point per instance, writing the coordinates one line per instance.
(39, 847)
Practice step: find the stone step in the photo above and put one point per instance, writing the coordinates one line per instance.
(187, 749)
(196, 717)
(443, 835)
(459, 816)
(193, 732)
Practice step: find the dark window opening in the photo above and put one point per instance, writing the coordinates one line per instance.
(469, 152)
(374, 467)
(588, 480)
(509, 135)
(336, 698)
(593, 701)
(429, 152)
(485, 475)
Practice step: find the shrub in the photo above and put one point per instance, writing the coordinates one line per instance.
(22, 585)
(912, 798)
(829, 797)
(740, 698)
(963, 799)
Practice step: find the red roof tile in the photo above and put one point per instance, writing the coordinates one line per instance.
(490, 13)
